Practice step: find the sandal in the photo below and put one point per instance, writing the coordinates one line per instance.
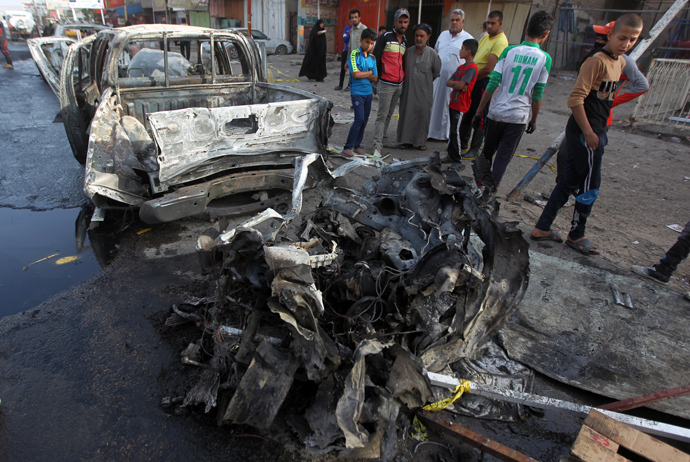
(347, 153)
(422, 148)
(552, 236)
(584, 246)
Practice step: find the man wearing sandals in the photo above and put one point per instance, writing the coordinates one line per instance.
(585, 135)
(422, 66)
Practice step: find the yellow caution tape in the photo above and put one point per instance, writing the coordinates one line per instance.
(63, 260)
(444, 403)
(270, 77)
(536, 158)
(289, 77)
(144, 231)
(39, 261)
(418, 431)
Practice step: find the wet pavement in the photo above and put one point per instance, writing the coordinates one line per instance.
(39, 257)
(40, 192)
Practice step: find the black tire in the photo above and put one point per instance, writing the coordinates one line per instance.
(281, 50)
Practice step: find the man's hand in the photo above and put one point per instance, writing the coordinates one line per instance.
(531, 126)
(592, 140)
(476, 120)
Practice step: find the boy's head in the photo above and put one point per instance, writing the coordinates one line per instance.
(625, 32)
(382, 30)
(539, 26)
(368, 39)
(469, 49)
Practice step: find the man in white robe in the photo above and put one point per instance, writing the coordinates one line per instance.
(448, 48)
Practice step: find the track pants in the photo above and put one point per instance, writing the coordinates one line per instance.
(454, 135)
(582, 178)
(5, 51)
(502, 139)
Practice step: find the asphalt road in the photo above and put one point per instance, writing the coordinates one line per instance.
(83, 374)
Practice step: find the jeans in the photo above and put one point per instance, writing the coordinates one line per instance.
(362, 107)
(388, 99)
(582, 178)
(454, 135)
(675, 254)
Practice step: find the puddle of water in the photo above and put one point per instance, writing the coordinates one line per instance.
(42, 255)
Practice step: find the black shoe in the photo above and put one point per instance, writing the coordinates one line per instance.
(471, 154)
(339, 87)
(650, 272)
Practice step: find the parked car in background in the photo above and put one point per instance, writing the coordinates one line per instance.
(49, 52)
(273, 46)
(172, 137)
(20, 23)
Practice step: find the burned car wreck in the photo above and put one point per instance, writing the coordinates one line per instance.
(169, 135)
(330, 318)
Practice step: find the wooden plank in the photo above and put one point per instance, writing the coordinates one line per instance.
(484, 444)
(634, 440)
(591, 446)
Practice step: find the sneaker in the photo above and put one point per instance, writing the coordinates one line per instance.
(339, 87)
(650, 272)
(347, 152)
(8, 66)
(470, 154)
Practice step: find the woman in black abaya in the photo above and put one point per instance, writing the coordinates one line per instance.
(314, 64)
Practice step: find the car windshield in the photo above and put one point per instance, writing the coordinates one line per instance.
(142, 62)
(259, 35)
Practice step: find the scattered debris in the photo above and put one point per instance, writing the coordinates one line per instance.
(622, 299)
(361, 295)
(474, 439)
(675, 227)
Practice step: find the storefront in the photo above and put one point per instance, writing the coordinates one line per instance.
(309, 11)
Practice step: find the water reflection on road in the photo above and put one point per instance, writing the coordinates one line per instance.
(44, 253)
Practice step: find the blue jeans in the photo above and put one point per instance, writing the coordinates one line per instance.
(362, 107)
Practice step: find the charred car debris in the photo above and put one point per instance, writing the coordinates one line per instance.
(169, 135)
(329, 317)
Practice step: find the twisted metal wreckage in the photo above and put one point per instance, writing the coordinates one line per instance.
(342, 308)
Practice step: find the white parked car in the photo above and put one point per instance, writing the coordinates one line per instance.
(273, 46)
(21, 23)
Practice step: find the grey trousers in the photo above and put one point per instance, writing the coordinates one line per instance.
(389, 95)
